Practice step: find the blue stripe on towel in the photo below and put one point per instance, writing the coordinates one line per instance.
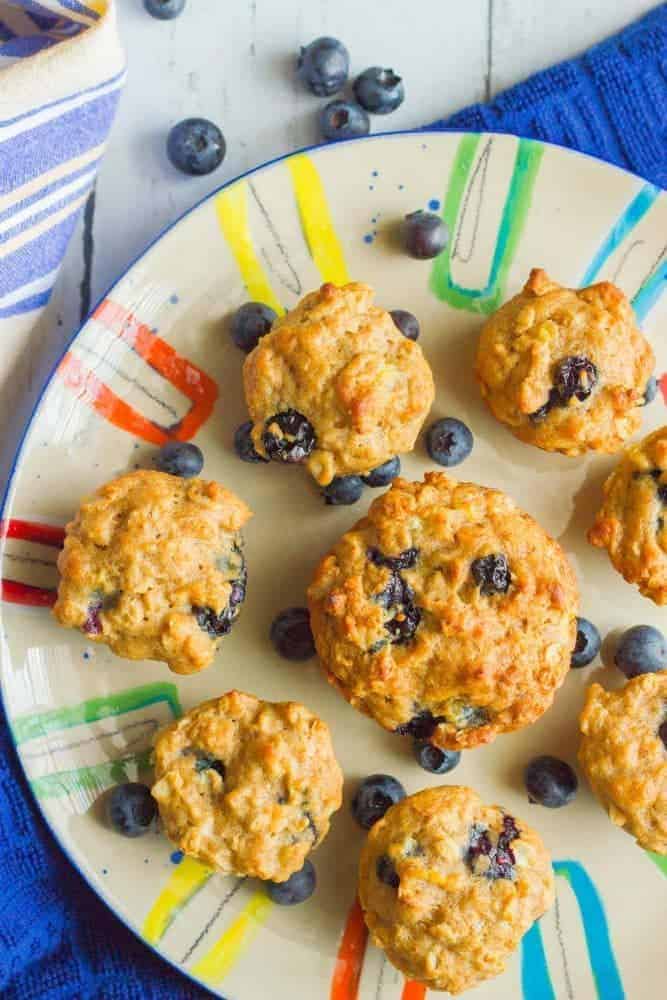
(40, 216)
(29, 154)
(36, 258)
(19, 206)
(118, 78)
(31, 302)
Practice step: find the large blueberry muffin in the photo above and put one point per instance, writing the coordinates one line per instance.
(449, 886)
(566, 369)
(446, 613)
(632, 522)
(623, 754)
(336, 385)
(153, 567)
(246, 786)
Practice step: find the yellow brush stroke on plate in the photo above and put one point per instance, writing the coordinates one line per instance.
(318, 226)
(231, 208)
(217, 962)
(184, 882)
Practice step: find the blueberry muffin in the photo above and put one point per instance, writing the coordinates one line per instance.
(336, 385)
(623, 754)
(446, 613)
(632, 522)
(566, 369)
(449, 886)
(246, 786)
(153, 567)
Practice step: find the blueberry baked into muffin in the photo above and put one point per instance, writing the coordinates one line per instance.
(336, 385)
(632, 522)
(153, 567)
(446, 613)
(565, 369)
(449, 886)
(246, 786)
(623, 754)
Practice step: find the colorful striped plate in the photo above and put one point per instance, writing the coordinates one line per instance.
(155, 362)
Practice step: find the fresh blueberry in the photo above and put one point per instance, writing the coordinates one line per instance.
(196, 146)
(323, 66)
(288, 437)
(297, 889)
(435, 760)
(651, 391)
(641, 650)
(164, 10)
(379, 90)
(374, 796)
(449, 441)
(131, 809)
(550, 782)
(290, 633)
(383, 474)
(406, 323)
(249, 324)
(588, 643)
(343, 120)
(425, 235)
(386, 872)
(491, 574)
(343, 490)
(244, 445)
(180, 458)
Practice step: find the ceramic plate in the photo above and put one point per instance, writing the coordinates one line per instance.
(154, 362)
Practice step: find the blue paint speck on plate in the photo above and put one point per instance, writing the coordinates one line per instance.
(176, 857)
(105, 871)
(86, 654)
(375, 173)
(173, 299)
(368, 238)
(434, 204)
(401, 187)
(371, 187)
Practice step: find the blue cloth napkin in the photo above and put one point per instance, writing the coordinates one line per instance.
(57, 940)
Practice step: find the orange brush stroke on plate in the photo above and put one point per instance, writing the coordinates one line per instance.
(350, 958)
(192, 381)
(413, 991)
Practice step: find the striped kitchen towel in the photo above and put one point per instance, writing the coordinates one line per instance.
(61, 71)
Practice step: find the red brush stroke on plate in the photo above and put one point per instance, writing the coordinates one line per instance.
(14, 591)
(189, 379)
(413, 991)
(662, 382)
(350, 958)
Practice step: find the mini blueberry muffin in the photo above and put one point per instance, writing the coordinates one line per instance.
(246, 786)
(446, 613)
(449, 886)
(632, 522)
(623, 754)
(336, 385)
(153, 567)
(566, 369)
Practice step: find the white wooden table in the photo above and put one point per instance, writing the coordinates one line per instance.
(233, 61)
